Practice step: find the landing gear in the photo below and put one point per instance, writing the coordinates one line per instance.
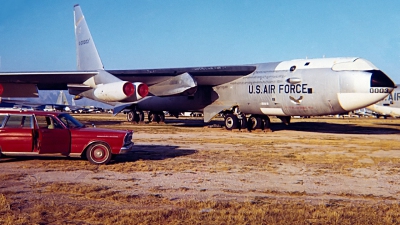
(258, 122)
(254, 122)
(285, 119)
(233, 121)
(136, 116)
(158, 117)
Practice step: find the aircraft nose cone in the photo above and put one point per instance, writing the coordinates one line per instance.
(363, 88)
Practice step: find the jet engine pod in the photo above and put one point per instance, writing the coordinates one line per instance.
(114, 92)
(142, 90)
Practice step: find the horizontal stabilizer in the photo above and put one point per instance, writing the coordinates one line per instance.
(183, 84)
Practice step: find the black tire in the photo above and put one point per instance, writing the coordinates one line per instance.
(136, 117)
(162, 117)
(265, 123)
(231, 122)
(254, 122)
(99, 153)
(151, 117)
(141, 116)
(130, 116)
(243, 123)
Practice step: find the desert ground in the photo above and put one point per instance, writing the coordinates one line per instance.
(322, 170)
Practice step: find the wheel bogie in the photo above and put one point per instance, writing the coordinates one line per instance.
(158, 117)
(135, 116)
(254, 122)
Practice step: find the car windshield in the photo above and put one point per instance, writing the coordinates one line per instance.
(69, 121)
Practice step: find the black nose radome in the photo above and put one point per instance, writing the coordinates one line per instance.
(380, 79)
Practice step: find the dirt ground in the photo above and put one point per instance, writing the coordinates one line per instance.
(317, 160)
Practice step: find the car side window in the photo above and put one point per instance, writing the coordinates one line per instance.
(19, 121)
(47, 122)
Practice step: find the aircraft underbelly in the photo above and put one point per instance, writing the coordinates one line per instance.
(201, 99)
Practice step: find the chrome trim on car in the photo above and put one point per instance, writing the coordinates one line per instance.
(126, 149)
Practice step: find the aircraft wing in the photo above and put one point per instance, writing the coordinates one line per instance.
(211, 76)
(26, 84)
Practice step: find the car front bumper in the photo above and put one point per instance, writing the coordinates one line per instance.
(126, 149)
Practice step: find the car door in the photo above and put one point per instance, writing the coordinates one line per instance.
(53, 137)
(16, 135)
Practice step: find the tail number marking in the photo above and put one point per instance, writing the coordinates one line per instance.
(83, 42)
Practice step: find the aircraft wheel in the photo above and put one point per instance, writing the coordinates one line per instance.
(243, 122)
(137, 116)
(99, 153)
(151, 117)
(265, 123)
(129, 116)
(141, 116)
(161, 115)
(285, 119)
(254, 123)
(231, 122)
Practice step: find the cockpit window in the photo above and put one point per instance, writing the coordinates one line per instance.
(379, 79)
(69, 121)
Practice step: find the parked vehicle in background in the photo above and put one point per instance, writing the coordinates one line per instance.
(36, 133)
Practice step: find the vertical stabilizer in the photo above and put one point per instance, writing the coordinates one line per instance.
(87, 56)
(62, 99)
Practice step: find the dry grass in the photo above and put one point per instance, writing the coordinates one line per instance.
(119, 209)
(236, 152)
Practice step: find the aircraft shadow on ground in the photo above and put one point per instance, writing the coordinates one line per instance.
(190, 123)
(140, 152)
(153, 152)
(323, 127)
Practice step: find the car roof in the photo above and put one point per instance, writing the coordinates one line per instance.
(16, 112)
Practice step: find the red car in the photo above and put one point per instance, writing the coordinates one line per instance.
(50, 133)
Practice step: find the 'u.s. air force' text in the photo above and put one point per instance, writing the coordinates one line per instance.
(281, 88)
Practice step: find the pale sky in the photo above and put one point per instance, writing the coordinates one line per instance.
(140, 34)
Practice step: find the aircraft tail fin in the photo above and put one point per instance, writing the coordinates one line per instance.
(87, 56)
(62, 99)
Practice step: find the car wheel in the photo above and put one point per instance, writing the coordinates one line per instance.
(99, 153)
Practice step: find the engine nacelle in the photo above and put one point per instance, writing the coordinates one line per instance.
(142, 90)
(119, 91)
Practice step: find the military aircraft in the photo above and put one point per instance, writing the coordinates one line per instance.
(390, 106)
(102, 85)
(246, 94)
